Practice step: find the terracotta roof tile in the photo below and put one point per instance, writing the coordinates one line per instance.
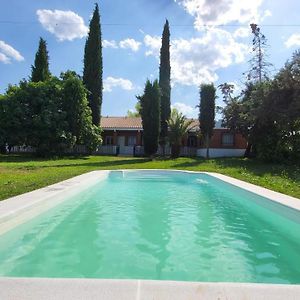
(121, 122)
(194, 125)
(132, 123)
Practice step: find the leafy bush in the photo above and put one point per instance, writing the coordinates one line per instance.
(51, 116)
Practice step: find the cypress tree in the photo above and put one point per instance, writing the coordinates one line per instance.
(40, 70)
(150, 113)
(93, 68)
(207, 112)
(164, 83)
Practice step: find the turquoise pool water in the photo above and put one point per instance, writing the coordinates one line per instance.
(159, 225)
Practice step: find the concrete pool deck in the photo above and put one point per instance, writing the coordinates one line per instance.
(92, 289)
(18, 210)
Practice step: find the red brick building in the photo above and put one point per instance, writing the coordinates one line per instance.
(124, 135)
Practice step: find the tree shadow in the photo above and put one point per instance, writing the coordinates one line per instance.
(72, 161)
(251, 166)
(25, 157)
(193, 162)
(103, 164)
(261, 168)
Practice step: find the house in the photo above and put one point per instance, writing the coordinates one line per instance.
(124, 136)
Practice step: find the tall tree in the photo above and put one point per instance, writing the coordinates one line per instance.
(257, 75)
(93, 66)
(259, 66)
(164, 83)
(150, 112)
(3, 121)
(207, 112)
(40, 70)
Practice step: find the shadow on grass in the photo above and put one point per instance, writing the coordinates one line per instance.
(24, 157)
(71, 161)
(193, 162)
(252, 166)
(104, 164)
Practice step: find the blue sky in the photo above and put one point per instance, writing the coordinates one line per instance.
(201, 50)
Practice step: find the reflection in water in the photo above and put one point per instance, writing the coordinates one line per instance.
(154, 228)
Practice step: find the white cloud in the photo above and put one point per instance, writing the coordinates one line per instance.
(4, 58)
(267, 13)
(109, 44)
(242, 32)
(187, 110)
(153, 43)
(7, 53)
(196, 60)
(65, 25)
(111, 82)
(214, 12)
(293, 40)
(130, 44)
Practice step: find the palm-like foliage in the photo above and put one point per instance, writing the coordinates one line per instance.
(179, 126)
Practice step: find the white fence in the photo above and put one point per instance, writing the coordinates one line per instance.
(164, 150)
(216, 152)
(22, 149)
(184, 151)
(107, 150)
(126, 150)
(188, 151)
(139, 151)
(77, 149)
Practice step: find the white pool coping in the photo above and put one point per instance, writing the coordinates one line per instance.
(17, 210)
(283, 199)
(108, 289)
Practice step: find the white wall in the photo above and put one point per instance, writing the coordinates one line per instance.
(107, 149)
(216, 152)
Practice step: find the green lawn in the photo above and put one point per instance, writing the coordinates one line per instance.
(21, 173)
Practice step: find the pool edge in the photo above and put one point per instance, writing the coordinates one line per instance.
(21, 208)
(108, 289)
(28, 205)
(286, 200)
(47, 288)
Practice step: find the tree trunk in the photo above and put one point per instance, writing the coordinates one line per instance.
(162, 144)
(163, 150)
(207, 146)
(248, 150)
(175, 151)
(2, 149)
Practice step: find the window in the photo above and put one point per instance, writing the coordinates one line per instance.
(132, 140)
(109, 140)
(227, 139)
(192, 141)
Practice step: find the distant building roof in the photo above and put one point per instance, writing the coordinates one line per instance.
(121, 123)
(194, 125)
(131, 123)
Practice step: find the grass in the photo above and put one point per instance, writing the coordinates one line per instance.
(22, 173)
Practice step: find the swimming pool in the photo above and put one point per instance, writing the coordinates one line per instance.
(158, 225)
